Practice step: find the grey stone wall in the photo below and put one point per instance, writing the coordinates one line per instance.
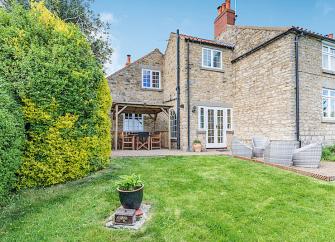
(264, 92)
(126, 84)
(246, 38)
(312, 80)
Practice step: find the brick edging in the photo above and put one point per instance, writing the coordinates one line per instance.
(290, 168)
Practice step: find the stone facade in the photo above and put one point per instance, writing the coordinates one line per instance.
(259, 88)
(312, 79)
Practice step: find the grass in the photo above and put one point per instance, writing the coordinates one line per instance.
(193, 198)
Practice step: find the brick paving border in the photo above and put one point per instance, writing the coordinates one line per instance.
(291, 168)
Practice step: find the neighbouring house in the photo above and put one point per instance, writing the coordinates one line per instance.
(277, 82)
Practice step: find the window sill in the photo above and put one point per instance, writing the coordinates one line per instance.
(211, 69)
(330, 121)
(328, 72)
(152, 89)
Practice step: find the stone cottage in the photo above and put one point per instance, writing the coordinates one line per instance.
(277, 82)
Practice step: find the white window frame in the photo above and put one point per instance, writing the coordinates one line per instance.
(331, 56)
(204, 119)
(133, 120)
(329, 107)
(151, 74)
(212, 58)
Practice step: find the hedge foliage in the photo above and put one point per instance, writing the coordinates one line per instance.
(65, 97)
(11, 141)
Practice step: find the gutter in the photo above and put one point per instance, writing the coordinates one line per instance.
(188, 100)
(178, 90)
(297, 87)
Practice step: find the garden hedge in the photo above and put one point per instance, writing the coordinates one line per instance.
(11, 141)
(64, 95)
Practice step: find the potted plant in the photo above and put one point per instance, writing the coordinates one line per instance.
(197, 147)
(130, 190)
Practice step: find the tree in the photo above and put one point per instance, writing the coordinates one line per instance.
(80, 13)
(64, 95)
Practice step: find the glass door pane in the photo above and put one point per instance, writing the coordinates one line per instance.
(210, 127)
(220, 118)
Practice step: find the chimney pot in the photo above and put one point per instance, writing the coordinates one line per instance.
(228, 4)
(330, 36)
(128, 60)
(219, 10)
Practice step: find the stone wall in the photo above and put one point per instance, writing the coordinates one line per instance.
(246, 38)
(126, 84)
(312, 79)
(208, 87)
(264, 92)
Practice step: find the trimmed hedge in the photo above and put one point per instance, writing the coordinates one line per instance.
(64, 94)
(11, 142)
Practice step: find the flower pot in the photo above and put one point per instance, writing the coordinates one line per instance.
(131, 199)
(197, 147)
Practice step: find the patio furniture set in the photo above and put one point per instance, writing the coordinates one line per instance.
(285, 153)
(140, 140)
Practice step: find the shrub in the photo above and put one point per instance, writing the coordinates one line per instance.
(64, 95)
(11, 142)
(328, 153)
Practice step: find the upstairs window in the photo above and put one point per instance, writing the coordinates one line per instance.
(328, 57)
(211, 58)
(151, 79)
(328, 103)
(133, 122)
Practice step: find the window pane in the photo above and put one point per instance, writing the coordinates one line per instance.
(332, 63)
(325, 107)
(155, 79)
(146, 78)
(217, 59)
(325, 92)
(202, 118)
(332, 108)
(325, 49)
(173, 124)
(228, 118)
(325, 61)
(332, 93)
(332, 51)
(207, 58)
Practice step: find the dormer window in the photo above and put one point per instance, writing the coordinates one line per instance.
(211, 58)
(328, 57)
(151, 79)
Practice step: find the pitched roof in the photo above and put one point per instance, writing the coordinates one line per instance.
(206, 41)
(133, 63)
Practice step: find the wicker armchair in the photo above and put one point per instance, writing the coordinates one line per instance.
(240, 149)
(258, 146)
(280, 152)
(308, 156)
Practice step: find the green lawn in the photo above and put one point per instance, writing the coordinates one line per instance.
(193, 199)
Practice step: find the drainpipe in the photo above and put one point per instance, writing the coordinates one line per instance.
(188, 99)
(178, 90)
(297, 88)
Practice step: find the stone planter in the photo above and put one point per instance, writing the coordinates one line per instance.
(131, 199)
(197, 147)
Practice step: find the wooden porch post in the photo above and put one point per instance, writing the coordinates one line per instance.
(116, 126)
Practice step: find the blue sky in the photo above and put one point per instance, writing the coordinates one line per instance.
(139, 26)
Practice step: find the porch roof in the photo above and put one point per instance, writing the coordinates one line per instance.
(140, 108)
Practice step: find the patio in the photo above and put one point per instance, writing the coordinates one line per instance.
(166, 152)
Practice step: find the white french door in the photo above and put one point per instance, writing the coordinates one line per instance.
(216, 127)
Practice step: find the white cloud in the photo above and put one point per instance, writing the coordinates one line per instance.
(117, 61)
(108, 18)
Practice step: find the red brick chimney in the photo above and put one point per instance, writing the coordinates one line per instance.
(226, 16)
(128, 60)
(330, 36)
